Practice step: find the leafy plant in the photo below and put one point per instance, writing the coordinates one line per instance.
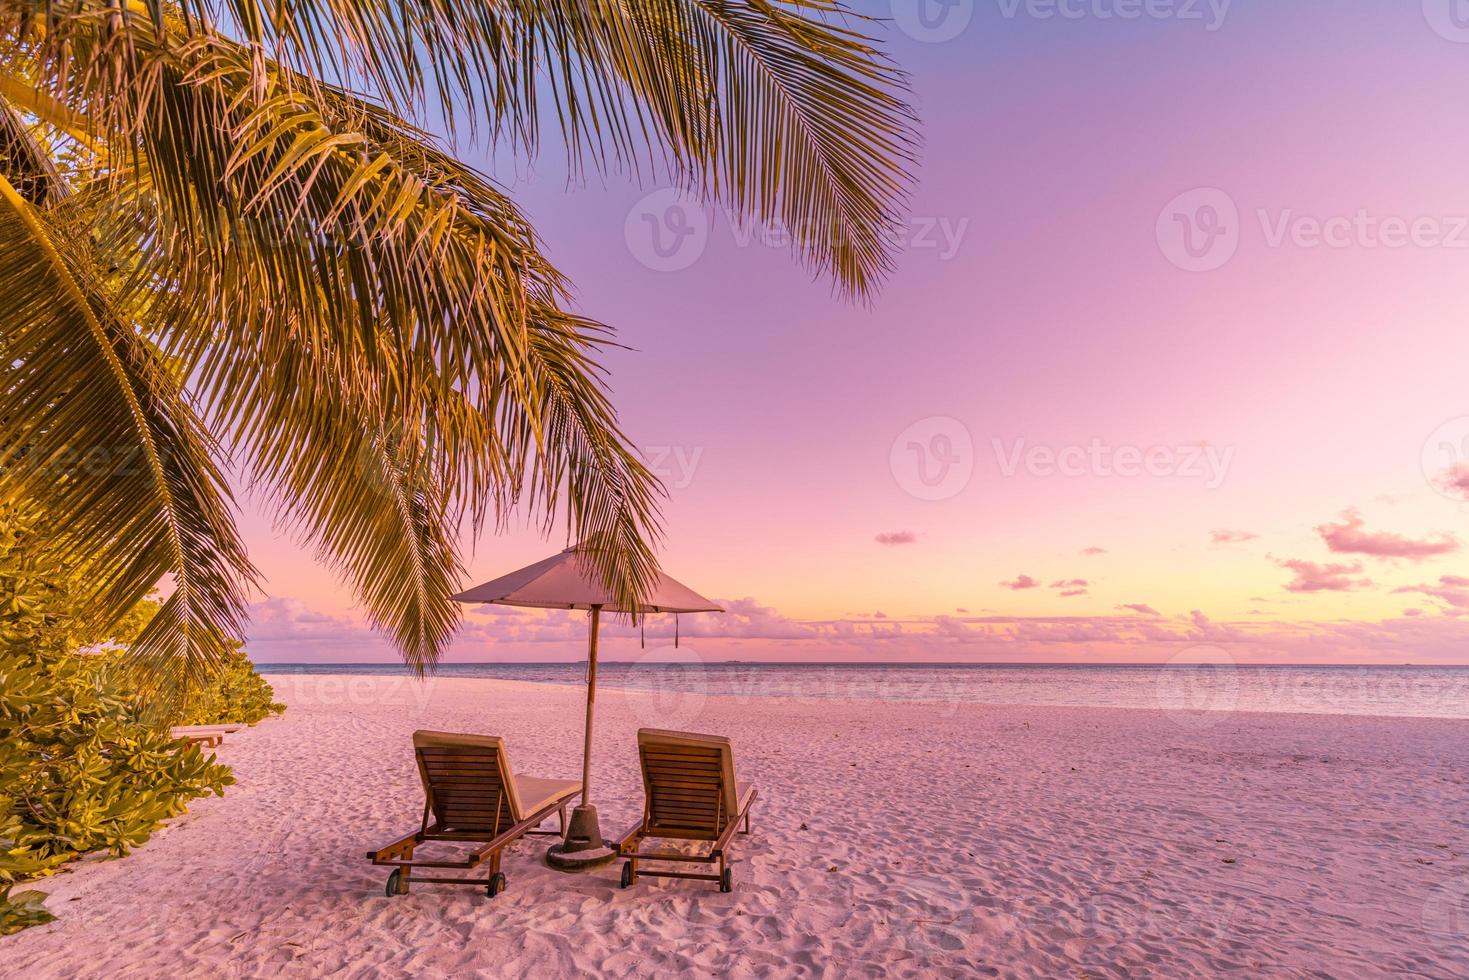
(238, 695)
(83, 763)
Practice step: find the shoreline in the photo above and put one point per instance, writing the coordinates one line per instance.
(605, 690)
(1037, 841)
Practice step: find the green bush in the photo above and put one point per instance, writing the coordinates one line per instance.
(238, 696)
(84, 763)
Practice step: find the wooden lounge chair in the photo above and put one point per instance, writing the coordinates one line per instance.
(690, 794)
(473, 797)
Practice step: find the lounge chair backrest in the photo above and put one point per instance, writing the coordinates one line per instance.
(689, 781)
(468, 781)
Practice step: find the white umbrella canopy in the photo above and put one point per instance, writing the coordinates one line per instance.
(568, 581)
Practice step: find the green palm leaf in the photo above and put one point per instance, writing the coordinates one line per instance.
(99, 435)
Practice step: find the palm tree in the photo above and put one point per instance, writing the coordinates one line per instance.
(225, 241)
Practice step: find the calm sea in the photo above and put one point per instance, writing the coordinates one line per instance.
(1431, 692)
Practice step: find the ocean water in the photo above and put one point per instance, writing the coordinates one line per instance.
(1186, 689)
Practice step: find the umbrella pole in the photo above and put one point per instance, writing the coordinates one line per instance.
(582, 847)
(586, 752)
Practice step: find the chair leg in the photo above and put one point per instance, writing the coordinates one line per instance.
(405, 872)
(747, 823)
(562, 813)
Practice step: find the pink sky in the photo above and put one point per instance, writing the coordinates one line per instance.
(1247, 446)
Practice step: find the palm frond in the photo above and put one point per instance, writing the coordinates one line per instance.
(26, 164)
(99, 434)
(787, 111)
(359, 310)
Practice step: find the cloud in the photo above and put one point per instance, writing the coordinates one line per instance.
(1228, 536)
(1023, 582)
(1142, 608)
(1454, 481)
(1412, 612)
(1348, 537)
(1094, 550)
(1452, 590)
(1069, 587)
(288, 630)
(1311, 577)
(896, 537)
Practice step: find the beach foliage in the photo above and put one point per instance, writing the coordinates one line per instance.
(225, 235)
(86, 762)
(236, 695)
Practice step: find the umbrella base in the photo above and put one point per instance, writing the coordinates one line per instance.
(582, 849)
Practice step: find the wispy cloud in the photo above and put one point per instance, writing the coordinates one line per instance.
(1313, 577)
(1022, 582)
(1093, 551)
(1231, 536)
(1454, 481)
(896, 537)
(1070, 587)
(1141, 608)
(1349, 537)
(1451, 589)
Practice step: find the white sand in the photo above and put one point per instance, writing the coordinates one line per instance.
(939, 839)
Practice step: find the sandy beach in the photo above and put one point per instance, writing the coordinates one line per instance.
(890, 839)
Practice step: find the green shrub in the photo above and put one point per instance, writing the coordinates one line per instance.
(237, 696)
(84, 764)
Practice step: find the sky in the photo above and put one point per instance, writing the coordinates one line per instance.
(1171, 364)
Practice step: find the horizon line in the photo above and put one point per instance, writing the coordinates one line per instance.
(830, 663)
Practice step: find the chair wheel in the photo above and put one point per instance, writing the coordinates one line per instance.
(393, 880)
(497, 884)
(626, 874)
(726, 880)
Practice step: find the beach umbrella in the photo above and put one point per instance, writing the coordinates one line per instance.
(567, 581)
